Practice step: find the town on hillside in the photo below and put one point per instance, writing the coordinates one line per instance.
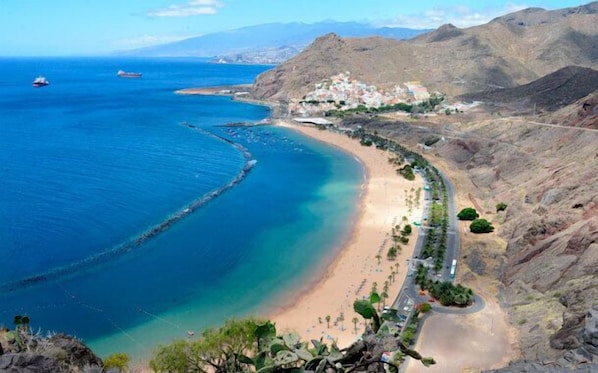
(341, 92)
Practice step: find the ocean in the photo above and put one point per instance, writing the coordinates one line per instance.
(130, 215)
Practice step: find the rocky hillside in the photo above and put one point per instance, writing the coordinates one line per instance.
(22, 351)
(508, 51)
(549, 93)
(582, 113)
(545, 248)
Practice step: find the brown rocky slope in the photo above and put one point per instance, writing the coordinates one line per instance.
(508, 51)
(548, 176)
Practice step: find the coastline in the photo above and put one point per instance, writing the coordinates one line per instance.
(352, 272)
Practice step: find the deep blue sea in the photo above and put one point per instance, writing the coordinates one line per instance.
(129, 215)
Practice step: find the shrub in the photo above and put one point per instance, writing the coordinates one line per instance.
(468, 213)
(481, 226)
(501, 206)
(424, 307)
(117, 362)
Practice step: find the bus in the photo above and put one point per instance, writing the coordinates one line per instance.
(453, 268)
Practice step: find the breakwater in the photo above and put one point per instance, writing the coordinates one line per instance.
(138, 240)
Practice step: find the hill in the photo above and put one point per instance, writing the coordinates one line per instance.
(543, 255)
(510, 50)
(267, 43)
(549, 93)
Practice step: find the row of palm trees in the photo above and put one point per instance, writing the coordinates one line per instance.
(447, 293)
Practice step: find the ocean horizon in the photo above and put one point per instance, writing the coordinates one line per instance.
(130, 216)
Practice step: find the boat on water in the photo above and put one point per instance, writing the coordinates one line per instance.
(124, 74)
(40, 81)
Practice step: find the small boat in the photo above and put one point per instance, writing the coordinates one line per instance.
(124, 74)
(40, 81)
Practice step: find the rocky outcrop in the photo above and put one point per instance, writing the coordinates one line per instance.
(583, 359)
(28, 363)
(24, 352)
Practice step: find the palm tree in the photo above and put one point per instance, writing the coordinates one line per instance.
(328, 321)
(18, 321)
(355, 321)
(384, 296)
(25, 323)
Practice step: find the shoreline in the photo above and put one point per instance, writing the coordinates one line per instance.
(353, 267)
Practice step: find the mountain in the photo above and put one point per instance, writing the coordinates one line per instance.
(550, 93)
(245, 43)
(508, 51)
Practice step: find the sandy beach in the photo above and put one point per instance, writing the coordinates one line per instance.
(356, 268)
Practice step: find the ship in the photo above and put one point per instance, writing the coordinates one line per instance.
(40, 81)
(124, 74)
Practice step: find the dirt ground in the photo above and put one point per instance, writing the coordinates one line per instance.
(467, 343)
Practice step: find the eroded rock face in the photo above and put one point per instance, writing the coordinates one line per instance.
(24, 352)
(588, 350)
(27, 363)
(75, 350)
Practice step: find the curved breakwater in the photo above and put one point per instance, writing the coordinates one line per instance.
(138, 240)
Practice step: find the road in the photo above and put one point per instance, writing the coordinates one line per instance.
(409, 295)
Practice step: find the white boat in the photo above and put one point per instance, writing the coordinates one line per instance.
(124, 74)
(40, 81)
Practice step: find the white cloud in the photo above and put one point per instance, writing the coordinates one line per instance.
(191, 8)
(146, 41)
(458, 15)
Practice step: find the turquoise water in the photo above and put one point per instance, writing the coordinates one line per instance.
(123, 225)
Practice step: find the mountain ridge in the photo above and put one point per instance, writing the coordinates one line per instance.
(233, 45)
(508, 51)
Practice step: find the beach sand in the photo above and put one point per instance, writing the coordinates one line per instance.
(352, 273)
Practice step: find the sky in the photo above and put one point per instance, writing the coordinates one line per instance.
(97, 27)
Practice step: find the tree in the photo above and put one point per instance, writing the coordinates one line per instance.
(116, 362)
(355, 321)
(481, 226)
(424, 307)
(273, 353)
(222, 350)
(328, 321)
(501, 206)
(468, 213)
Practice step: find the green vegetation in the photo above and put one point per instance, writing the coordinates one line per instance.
(251, 345)
(407, 172)
(424, 307)
(468, 213)
(446, 292)
(422, 107)
(21, 323)
(501, 206)
(481, 226)
(116, 362)
(367, 310)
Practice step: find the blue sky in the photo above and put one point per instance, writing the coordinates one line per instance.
(74, 27)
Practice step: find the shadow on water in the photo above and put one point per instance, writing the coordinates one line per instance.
(137, 241)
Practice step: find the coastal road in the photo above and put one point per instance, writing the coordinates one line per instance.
(453, 244)
(409, 295)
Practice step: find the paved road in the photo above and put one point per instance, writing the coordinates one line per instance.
(409, 295)
(453, 245)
